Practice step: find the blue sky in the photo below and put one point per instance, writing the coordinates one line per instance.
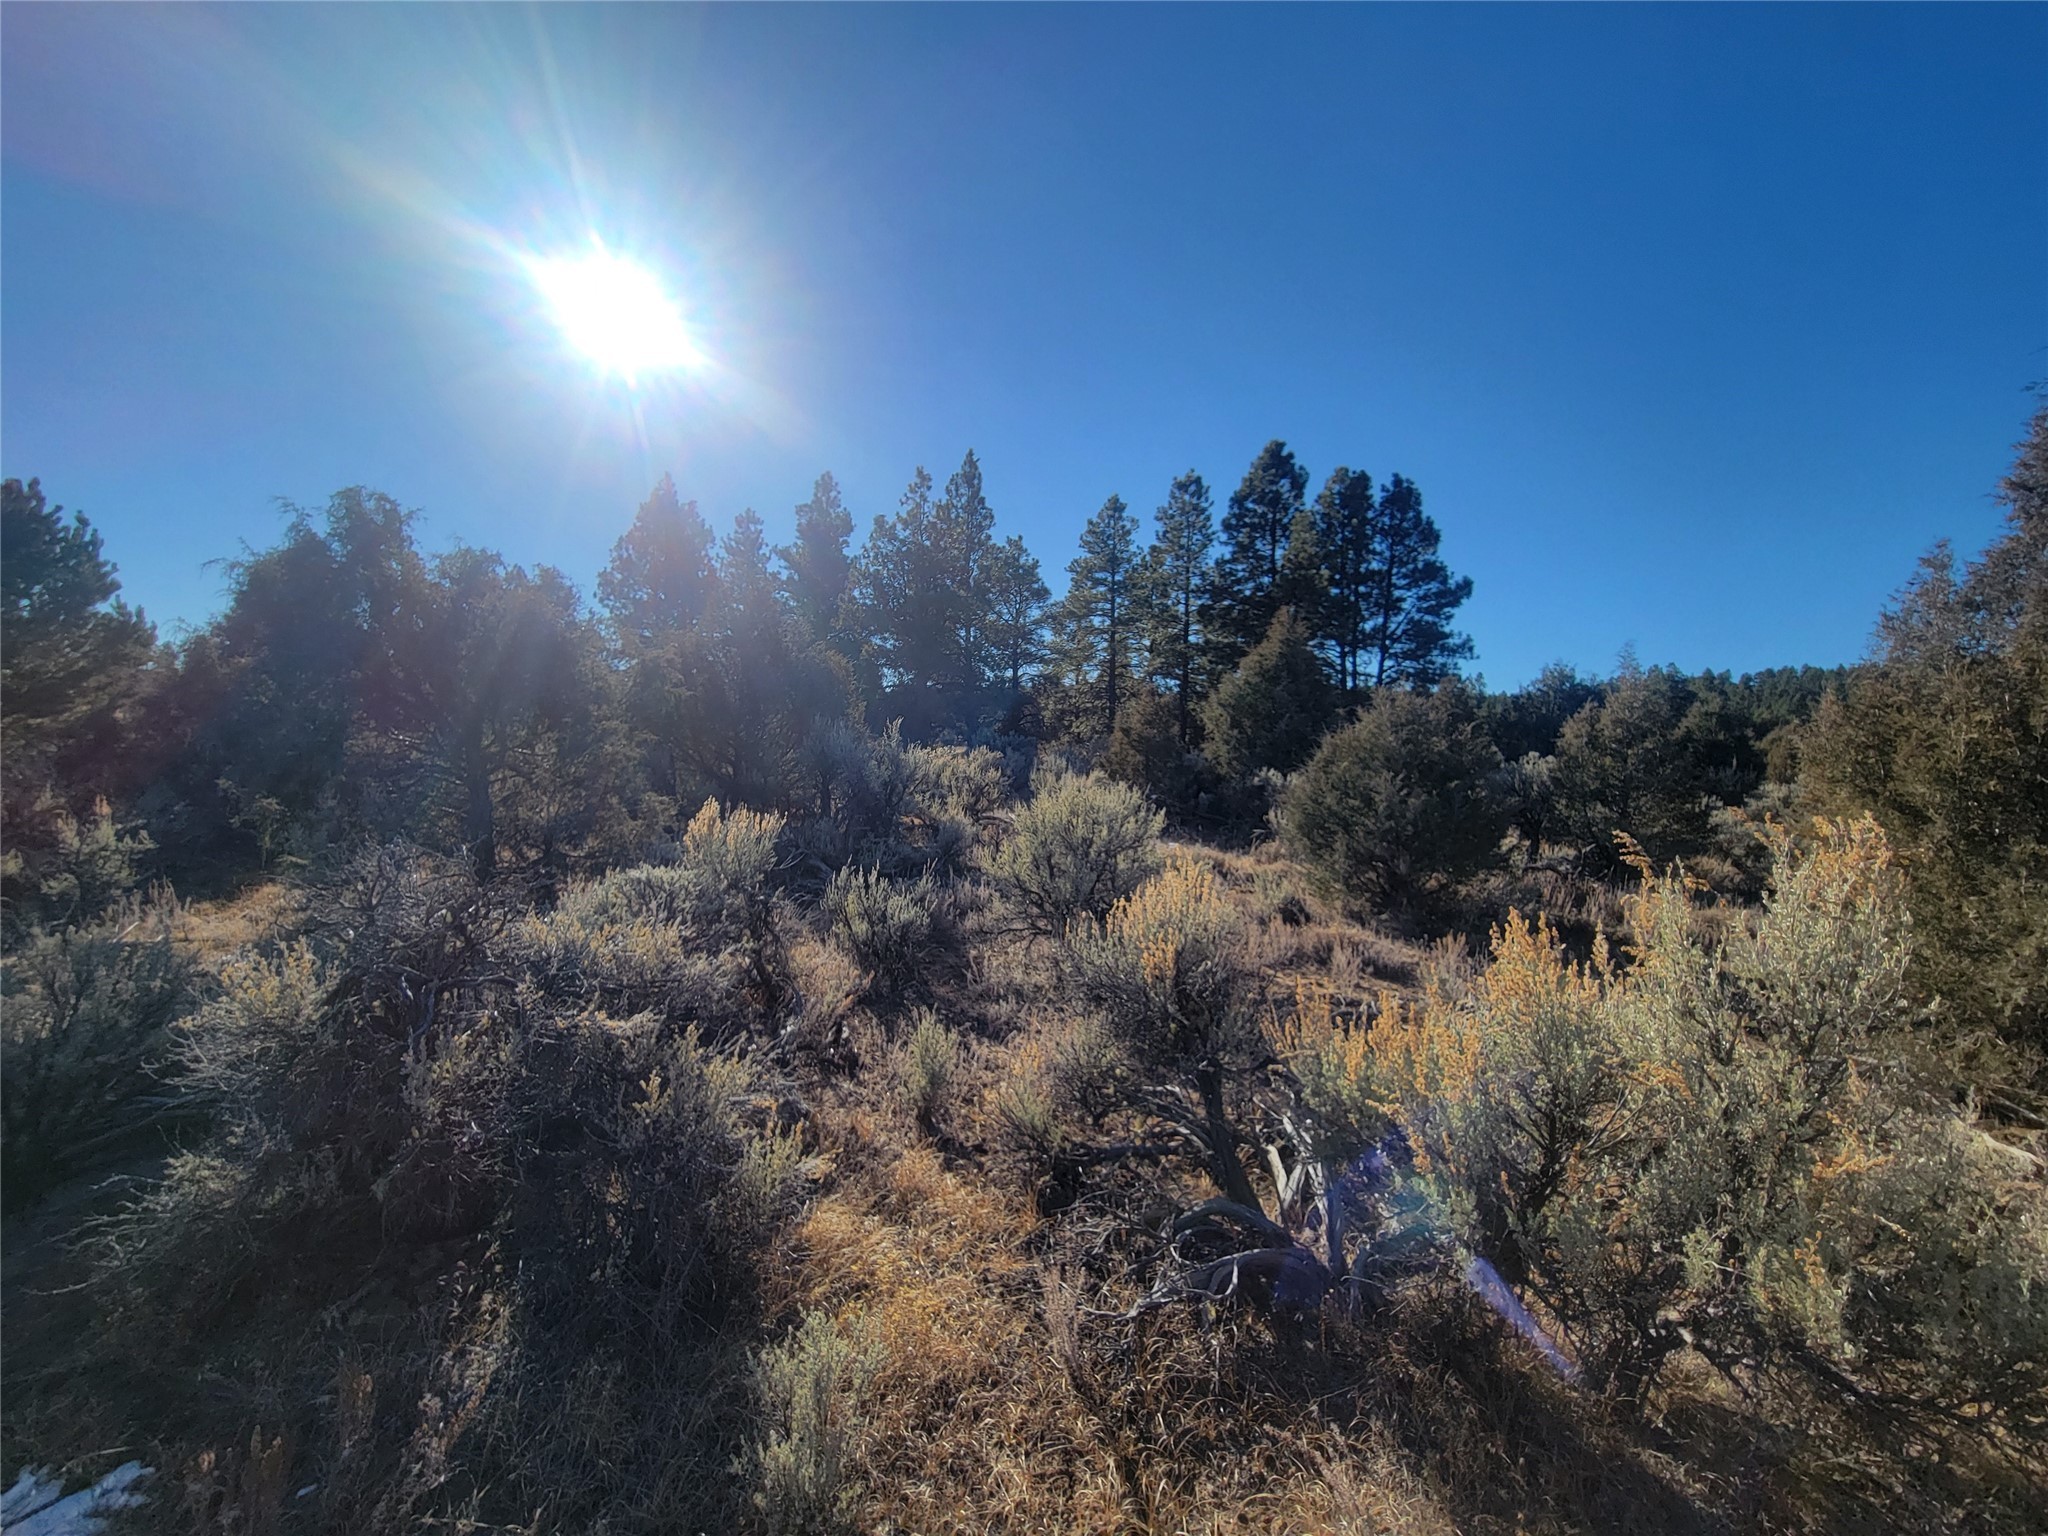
(1696, 326)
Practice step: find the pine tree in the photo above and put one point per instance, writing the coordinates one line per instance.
(1015, 627)
(659, 595)
(1177, 571)
(920, 584)
(1346, 523)
(70, 649)
(1409, 595)
(1256, 527)
(1103, 613)
(661, 578)
(1303, 584)
(818, 569)
(967, 529)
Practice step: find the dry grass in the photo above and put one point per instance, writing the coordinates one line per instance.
(1010, 1393)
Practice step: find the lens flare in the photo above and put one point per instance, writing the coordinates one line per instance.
(615, 312)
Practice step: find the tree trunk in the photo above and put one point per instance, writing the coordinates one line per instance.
(1227, 1170)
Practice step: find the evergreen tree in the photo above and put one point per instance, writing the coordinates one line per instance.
(661, 579)
(1015, 626)
(1945, 739)
(921, 584)
(967, 529)
(1177, 569)
(767, 686)
(1409, 595)
(817, 568)
(659, 594)
(1272, 711)
(1103, 614)
(72, 667)
(71, 652)
(1303, 584)
(1401, 803)
(1243, 596)
(1346, 525)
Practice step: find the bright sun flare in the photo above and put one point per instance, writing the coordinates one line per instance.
(615, 312)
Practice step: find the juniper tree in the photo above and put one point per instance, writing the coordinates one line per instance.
(1274, 708)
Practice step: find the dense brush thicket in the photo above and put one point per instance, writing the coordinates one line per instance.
(622, 1089)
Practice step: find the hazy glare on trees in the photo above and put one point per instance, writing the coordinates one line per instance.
(817, 567)
(1016, 594)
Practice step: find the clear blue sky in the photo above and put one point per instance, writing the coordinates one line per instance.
(1696, 325)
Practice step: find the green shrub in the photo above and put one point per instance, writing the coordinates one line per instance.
(1145, 749)
(1076, 848)
(60, 871)
(1400, 803)
(674, 938)
(417, 1092)
(969, 783)
(892, 928)
(809, 1386)
(926, 1068)
(84, 1019)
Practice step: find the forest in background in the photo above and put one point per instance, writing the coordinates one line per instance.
(638, 1062)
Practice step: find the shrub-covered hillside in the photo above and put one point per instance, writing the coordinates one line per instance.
(826, 1044)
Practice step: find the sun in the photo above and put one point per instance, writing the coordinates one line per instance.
(615, 312)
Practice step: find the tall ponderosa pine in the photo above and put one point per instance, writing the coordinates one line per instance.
(1346, 525)
(1177, 567)
(967, 524)
(1243, 595)
(1103, 613)
(1015, 595)
(818, 569)
(772, 683)
(921, 583)
(1409, 595)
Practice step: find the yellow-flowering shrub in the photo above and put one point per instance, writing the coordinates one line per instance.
(1166, 971)
(1710, 1142)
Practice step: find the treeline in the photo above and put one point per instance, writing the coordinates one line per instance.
(1292, 664)
(356, 687)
